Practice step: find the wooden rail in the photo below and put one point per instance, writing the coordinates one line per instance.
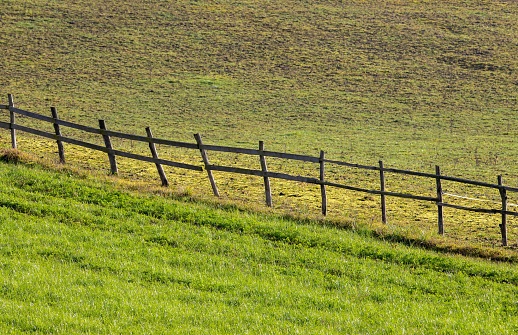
(262, 154)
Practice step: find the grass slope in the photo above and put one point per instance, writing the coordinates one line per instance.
(414, 83)
(79, 256)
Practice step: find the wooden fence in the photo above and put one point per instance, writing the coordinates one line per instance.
(262, 172)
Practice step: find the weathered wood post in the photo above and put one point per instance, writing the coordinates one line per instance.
(108, 143)
(61, 150)
(207, 164)
(12, 121)
(440, 218)
(503, 225)
(264, 168)
(383, 198)
(322, 181)
(154, 153)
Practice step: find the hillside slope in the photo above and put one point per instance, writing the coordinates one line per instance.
(413, 83)
(80, 256)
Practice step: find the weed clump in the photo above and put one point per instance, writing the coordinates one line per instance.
(11, 156)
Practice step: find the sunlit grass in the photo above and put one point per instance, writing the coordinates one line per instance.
(415, 84)
(80, 256)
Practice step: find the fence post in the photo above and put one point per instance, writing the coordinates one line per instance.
(264, 168)
(154, 153)
(108, 143)
(503, 225)
(440, 218)
(13, 121)
(322, 185)
(207, 164)
(61, 150)
(383, 198)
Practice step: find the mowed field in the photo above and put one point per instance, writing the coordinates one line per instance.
(415, 84)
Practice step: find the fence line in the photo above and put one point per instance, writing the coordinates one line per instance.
(262, 154)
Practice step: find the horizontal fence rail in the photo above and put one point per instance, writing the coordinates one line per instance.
(101, 148)
(263, 172)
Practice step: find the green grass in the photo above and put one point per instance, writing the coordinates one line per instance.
(81, 256)
(416, 84)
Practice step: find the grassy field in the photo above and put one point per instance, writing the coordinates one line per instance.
(83, 255)
(412, 83)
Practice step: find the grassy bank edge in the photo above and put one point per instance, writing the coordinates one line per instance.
(243, 218)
